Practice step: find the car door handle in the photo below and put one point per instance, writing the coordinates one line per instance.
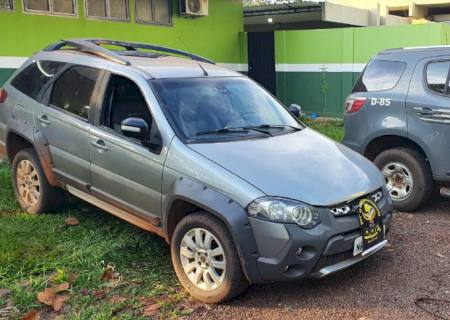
(426, 111)
(99, 144)
(44, 120)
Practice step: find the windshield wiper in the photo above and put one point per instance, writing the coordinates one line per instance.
(277, 126)
(233, 130)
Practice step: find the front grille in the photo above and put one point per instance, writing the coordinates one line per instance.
(325, 261)
(352, 207)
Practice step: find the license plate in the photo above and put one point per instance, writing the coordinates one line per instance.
(358, 246)
(372, 226)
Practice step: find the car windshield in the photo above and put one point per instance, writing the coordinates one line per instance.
(222, 108)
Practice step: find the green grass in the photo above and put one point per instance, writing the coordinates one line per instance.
(333, 128)
(34, 247)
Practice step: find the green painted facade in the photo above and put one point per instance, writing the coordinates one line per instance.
(218, 36)
(325, 91)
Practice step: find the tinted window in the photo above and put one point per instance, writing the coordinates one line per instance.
(437, 76)
(6, 5)
(73, 90)
(153, 11)
(34, 77)
(380, 75)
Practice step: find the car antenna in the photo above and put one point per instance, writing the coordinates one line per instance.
(198, 62)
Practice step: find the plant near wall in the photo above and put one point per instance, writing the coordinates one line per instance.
(324, 86)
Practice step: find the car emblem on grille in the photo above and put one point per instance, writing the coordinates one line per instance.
(368, 209)
(353, 208)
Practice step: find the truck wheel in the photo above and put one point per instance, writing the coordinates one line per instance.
(32, 190)
(206, 260)
(408, 177)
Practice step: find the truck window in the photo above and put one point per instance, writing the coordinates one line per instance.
(380, 75)
(437, 73)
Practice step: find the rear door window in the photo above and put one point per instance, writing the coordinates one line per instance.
(73, 90)
(437, 76)
(380, 75)
(34, 77)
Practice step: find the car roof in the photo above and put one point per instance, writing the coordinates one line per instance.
(411, 54)
(154, 60)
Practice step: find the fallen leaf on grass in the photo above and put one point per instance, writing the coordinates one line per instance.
(49, 297)
(58, 304)
(109, 274)
(117, 299)
(151, 310)
(99, 294)
(33, 314)
(72, 221)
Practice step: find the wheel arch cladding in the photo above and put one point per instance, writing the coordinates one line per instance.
(186, 196)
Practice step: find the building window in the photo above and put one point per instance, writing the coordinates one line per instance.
(154, 11)
(107, 9)
(57, 7)
(6, 5)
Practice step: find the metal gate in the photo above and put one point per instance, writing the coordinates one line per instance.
(261, 59)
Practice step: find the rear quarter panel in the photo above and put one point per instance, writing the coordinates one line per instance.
(384, 113)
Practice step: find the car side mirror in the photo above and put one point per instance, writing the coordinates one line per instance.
(136, 128)
(295, 109)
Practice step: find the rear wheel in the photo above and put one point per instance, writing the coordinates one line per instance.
(408, 177)
(32, 190)
(206, 260)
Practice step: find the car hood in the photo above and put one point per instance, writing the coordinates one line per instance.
(304, 165)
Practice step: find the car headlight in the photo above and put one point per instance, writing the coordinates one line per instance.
(284, 210)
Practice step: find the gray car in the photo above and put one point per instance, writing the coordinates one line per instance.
(398, 115)
(204, 157)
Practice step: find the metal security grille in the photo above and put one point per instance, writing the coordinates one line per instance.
(6, 4)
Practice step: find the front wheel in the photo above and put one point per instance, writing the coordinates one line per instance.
(205, 259)
(408, 177)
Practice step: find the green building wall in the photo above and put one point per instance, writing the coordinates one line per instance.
(218, 36)
(317, 68)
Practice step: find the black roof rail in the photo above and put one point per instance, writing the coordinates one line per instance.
(89, 47)
(94, 46)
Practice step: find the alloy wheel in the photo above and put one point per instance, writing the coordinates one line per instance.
(28, 182)
(203, 259)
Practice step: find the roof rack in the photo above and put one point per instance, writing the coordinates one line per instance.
(88, 47)
(131, 49)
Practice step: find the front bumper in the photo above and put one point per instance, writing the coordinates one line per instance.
(287, 252)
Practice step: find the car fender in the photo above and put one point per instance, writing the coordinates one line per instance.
(232, 214)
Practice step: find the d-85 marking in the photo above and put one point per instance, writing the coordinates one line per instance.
(384, 102)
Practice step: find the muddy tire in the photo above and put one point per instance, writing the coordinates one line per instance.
(33, 192)
(205, 259)
(408, 177)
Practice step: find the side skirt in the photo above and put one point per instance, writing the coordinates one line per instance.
(122, 214)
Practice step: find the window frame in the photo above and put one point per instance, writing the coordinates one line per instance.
(108, 12)
(153, 22)
(51, 12)
(384, 90)
(48, 92)
(425, 78)
(12, 6)
(99, 105)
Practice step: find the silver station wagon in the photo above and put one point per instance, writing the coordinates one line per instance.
(240, 189)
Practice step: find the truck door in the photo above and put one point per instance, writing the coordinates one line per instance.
(428, 113)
